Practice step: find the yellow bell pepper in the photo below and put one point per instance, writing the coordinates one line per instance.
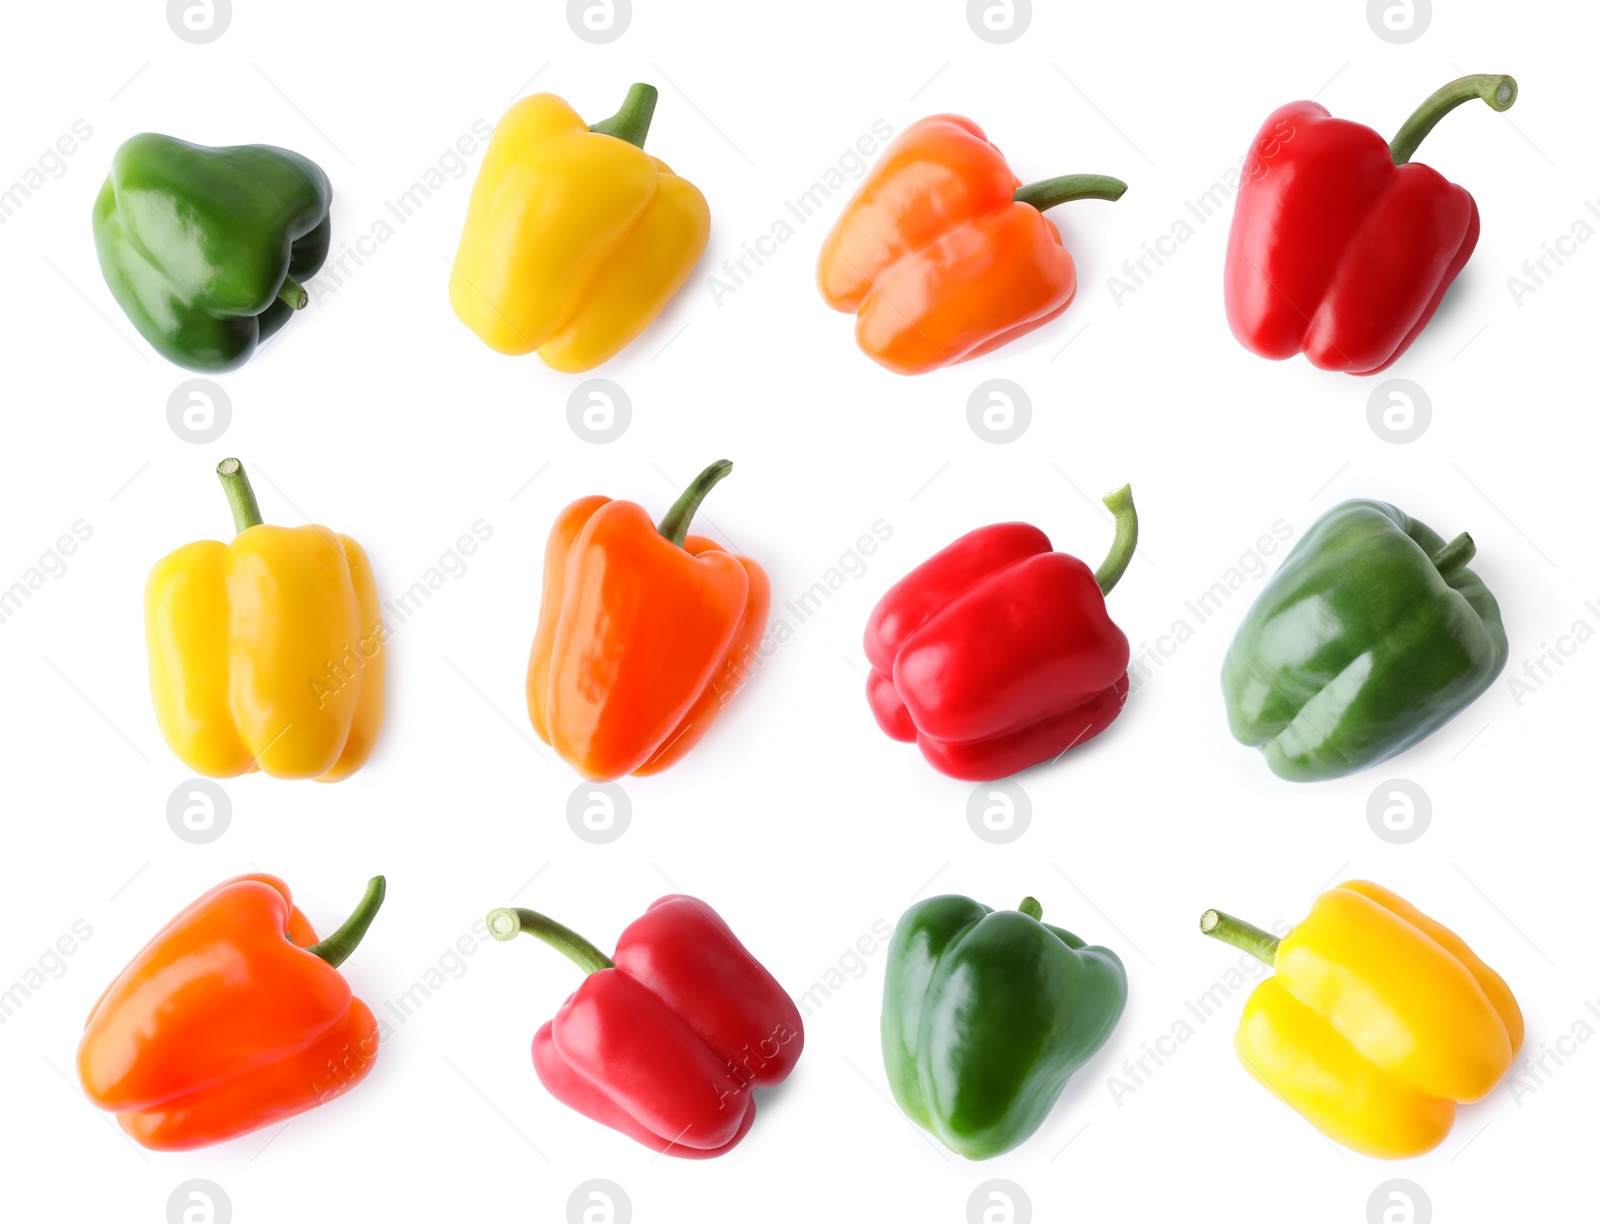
(266, 653)
(575, 236)
(1377, 1023)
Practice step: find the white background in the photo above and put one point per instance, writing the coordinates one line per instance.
(375, 412)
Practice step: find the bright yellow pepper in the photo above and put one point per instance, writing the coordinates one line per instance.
(1377, 1023)
(575, 236)
(266, 653)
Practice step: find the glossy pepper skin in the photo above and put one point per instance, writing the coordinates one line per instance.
(943, 255)
(644, 634)
(665, 1039)
(1377, 1021)
(985, 1016)
(204, 249)
(1371, 636)
(268, 652)
(997, 652)
(576, 238)
(232, 1018)
(1341, 246)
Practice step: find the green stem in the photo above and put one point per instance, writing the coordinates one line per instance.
(1498, 91)
(291, 294)
(509, 923)
(241, 497)
(1031, 908)
(1450, 559)
(337, 947)
(1047, 193)
(1263, 945)
(676, 524)
(632, 122)
(1123, 543)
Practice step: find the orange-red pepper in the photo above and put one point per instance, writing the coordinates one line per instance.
(644, 633)
(232, 1018)
(942, 255)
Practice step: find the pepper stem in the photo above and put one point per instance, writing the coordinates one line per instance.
(1047, 193)
(1123, 543)
(507, 924)
(241, 497)
(337, 947)
(632, 122)
(1450, 559)
(291, 294)
(1498, 91)
(675, 526)
(1263, 945)
(1031, 908)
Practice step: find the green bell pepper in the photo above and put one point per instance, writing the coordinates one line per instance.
(986, 1014)
(204, 248)
(1371, 636)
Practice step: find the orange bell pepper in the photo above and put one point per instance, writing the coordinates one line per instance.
(942, 255)
(232, 1018)
(644, 633)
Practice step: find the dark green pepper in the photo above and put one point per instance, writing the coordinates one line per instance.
(1371, 636)
(986, 1014)
(204, 249)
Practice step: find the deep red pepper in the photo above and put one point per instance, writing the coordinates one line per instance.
(1341, 246)
(997, 653)
(665, 1040)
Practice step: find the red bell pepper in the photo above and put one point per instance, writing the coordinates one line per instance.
(1342, 246)
(997, 653)
(665, 1040)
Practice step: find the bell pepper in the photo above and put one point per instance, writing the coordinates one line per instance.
(232, 1018)
(268, 652)
(665, 1039)
(997, 653)
(576, 238)
(986, 1014)
(1377, 1021)
(204, 249)
(1370, 637)
(645, 633)
(1341, 245)
(943, 255)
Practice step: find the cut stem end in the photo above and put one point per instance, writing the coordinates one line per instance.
(1263, 945)
(241, 497)
(1493, 88)
(292, 295)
